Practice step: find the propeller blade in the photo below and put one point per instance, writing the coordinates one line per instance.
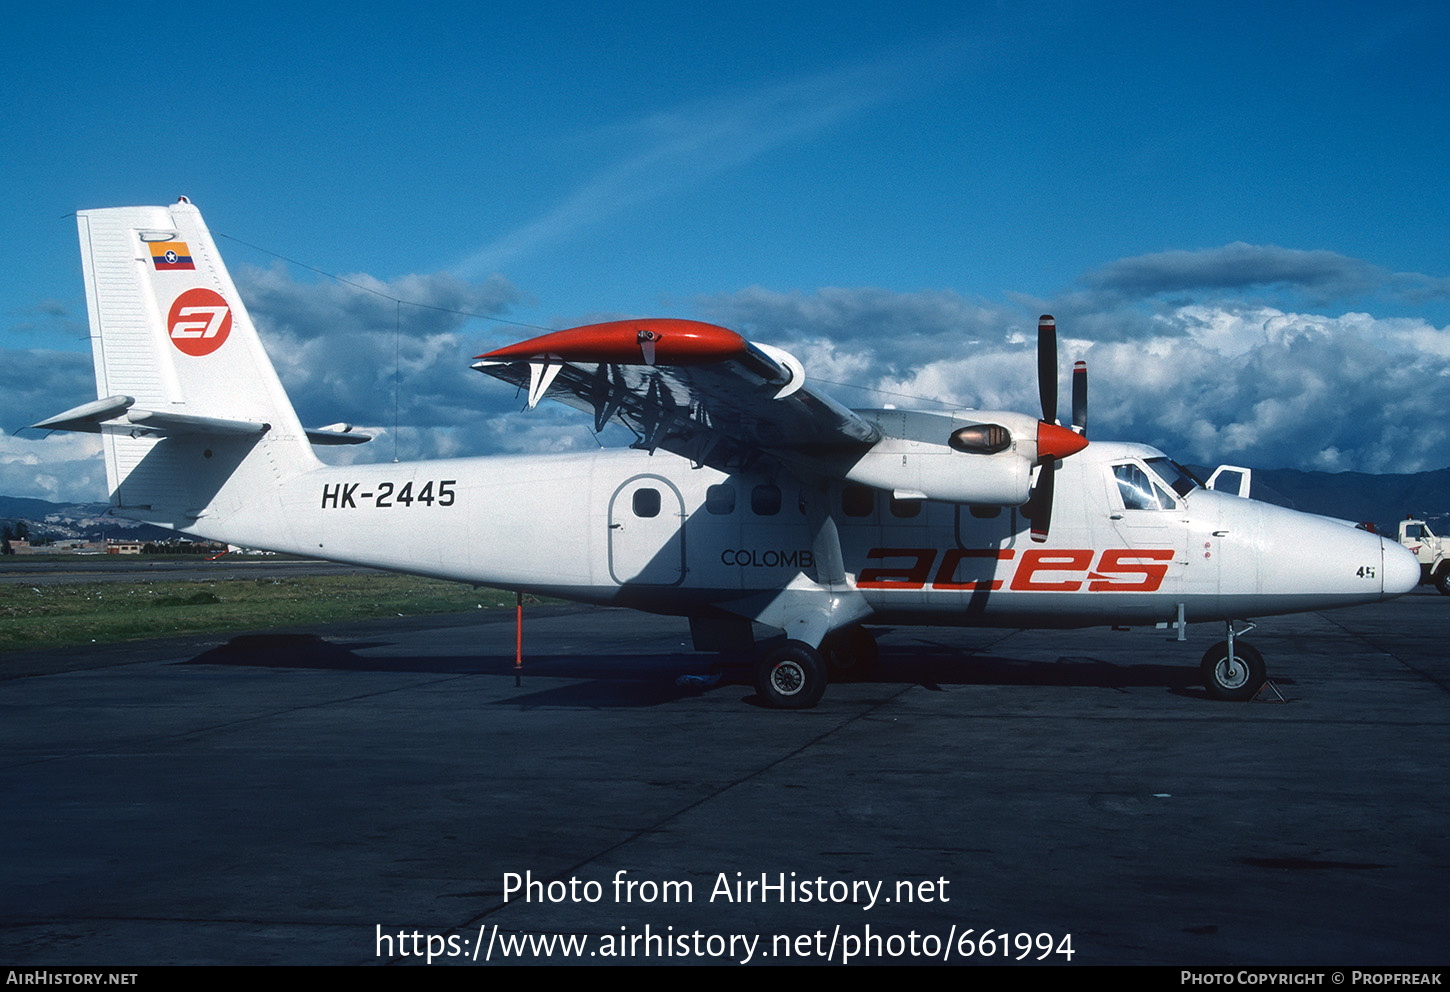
(1053, 441)
(1079, 397)
(1047, 366)
(1041, 509)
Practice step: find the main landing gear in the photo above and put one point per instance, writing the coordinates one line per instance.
(792, 675)
(1233, 669)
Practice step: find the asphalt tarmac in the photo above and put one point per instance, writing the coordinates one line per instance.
(386, 791)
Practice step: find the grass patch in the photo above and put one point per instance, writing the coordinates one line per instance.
(195, 599)
(102, 612)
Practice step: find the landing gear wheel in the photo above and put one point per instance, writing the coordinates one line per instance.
(1238, 678)
(1442, 580)
(850, 654)
(791, 676)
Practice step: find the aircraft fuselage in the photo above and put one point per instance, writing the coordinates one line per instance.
(654, 532)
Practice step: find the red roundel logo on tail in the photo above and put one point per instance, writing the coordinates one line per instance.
(199, 322)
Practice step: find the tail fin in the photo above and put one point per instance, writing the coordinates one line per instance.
(192, 416)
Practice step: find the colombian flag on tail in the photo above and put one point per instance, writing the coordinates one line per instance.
(170, 255)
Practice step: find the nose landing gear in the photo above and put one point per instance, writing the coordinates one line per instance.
(1232, 669)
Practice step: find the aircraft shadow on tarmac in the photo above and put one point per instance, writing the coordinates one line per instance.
(629, 680)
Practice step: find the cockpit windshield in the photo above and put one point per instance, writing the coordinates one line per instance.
(1174, 474)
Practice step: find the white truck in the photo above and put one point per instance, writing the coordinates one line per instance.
(1434, 563)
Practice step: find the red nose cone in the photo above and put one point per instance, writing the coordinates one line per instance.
(1057, 442)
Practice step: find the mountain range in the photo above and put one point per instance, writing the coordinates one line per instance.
(1379, 499)
(71, 521)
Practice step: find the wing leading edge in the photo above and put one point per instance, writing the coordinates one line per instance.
(691, 388)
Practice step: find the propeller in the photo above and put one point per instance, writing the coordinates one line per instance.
(1053, 440)
(1047, 366)
(1079, 397)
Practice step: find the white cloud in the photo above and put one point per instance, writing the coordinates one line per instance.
(62, 467)
(346, 353)
(1237, 266)
(1214, 378)
(1208, 381)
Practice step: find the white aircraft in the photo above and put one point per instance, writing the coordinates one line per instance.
(749, 496)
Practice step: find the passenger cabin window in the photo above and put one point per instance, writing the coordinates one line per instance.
(765, 500)
(1138, 490)
(858, 501)
(720, 499)
(646, 502)
(905, 509)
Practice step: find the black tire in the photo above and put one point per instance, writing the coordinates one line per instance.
(791, 676)
(850, 654)
(1238, 681)
(1442, 579)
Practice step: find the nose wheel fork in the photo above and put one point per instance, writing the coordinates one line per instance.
(1233, 669)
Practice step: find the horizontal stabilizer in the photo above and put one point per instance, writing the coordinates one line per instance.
(88, 416)
(167, 424)
(336, 434)
(118, 413)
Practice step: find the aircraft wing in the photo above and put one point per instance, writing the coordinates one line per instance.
(691, 388)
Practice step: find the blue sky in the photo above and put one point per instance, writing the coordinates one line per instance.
(1237, 212)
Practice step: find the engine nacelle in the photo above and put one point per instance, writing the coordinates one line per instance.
(917, 459)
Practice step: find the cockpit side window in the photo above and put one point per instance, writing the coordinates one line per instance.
(1138, 490)
(1174, 474)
